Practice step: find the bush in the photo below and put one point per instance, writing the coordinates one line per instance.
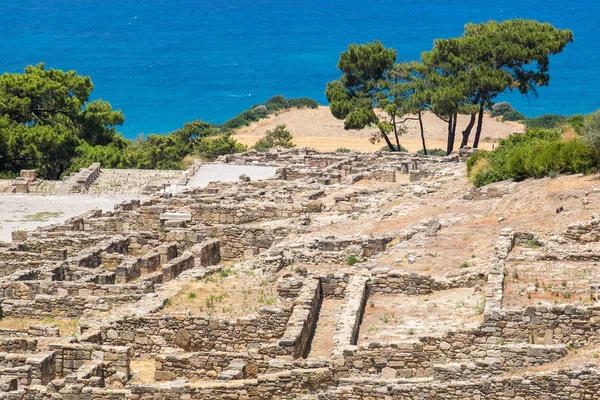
(536, 154)
(280, 137)
(386, 148)
(210, 148)
(433, 152)
(352, 259)
(260, 111)
(343, 150)
(276, 103)
(590, 130)
(546, 121)
(500, 109)
(303, 102)
(513, 116)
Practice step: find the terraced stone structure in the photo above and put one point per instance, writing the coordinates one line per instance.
(345, 276)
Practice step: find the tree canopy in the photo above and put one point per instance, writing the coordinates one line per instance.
(460, 75)
(45, 117)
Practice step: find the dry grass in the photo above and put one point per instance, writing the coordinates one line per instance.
(68, 327)
(225, 293)
(318, 129)
(142, 371)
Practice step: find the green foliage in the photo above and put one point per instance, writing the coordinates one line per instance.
(343, 150)
(433, 152)
(513, 116)
(276, 103)
(46, 121)
(591, 130)
(303, 102)
(260, 111)
(500, 109)
(210, 148)
(546, 121)
(394, 148)
(535, 154)
(577, 122)
(352, 259)
(279, 137)
(371, 80)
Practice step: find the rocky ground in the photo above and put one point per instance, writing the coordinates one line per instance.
(342, 276)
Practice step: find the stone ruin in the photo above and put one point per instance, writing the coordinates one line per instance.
(112, 277)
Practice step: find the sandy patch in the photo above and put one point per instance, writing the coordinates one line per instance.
(322, 131)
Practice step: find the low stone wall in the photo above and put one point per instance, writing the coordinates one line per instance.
(348, 323)
(70, 357)
(62, 306)
(28, 290)
(243, 242)
(91, 258)
(385, 280)
(334, 286)
(584, 231)
(209, 252)
(206, 365)
(582, 384)
(214, 214)
(152, 333)
(383, 175)
(419, 358)
(41, 364)
(566, 324)
(173, 268)
(302, 321)
(16, 344)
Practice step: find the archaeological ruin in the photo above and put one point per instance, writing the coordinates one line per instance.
(343, 276)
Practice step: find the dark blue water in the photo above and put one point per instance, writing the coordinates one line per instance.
(168, 62)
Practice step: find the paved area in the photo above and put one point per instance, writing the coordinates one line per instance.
(28, 211)
(228, 173)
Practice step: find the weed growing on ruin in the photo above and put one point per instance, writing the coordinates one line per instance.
(191, 295)
(465, 265)
(515, 275)
(533, 243)
(479, 307)
(352, 259)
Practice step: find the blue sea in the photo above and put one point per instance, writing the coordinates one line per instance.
(166, 62)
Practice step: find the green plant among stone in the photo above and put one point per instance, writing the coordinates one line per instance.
(352, 259)
(479, 307)
(280, 137)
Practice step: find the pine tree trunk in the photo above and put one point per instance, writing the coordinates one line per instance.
(387, 140)
(396, 135)
(422, 134)
(451, 131)
(479, 126)
(467, 132)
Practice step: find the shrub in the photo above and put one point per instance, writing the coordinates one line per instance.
(386, 148)
(433, 152)
(280, 137)
(536, 154)
(260, 111)
(352, 259)
(343, 150)
(546, 121)
(591, 130)
(276, 103)
(302, 102)
(500, 109)
(211, 147)
(513, 116)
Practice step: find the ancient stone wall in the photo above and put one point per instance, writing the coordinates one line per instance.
(150, 334)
